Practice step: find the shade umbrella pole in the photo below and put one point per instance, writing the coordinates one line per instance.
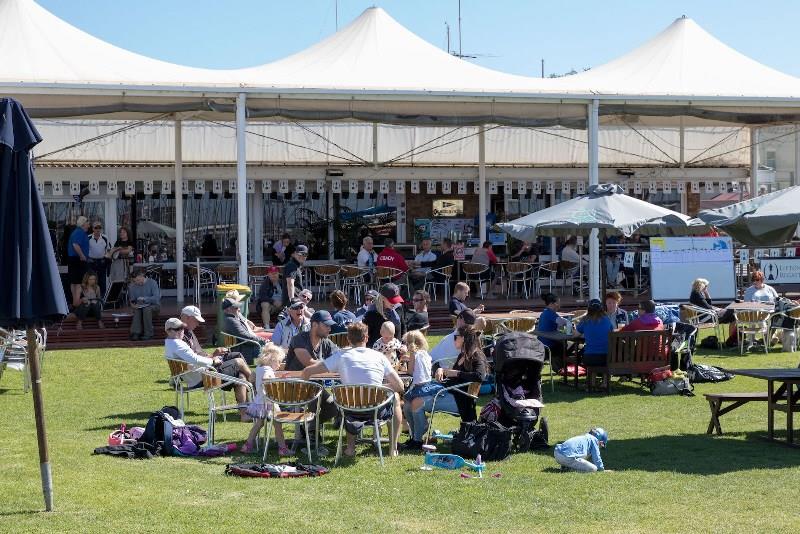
(38, 410)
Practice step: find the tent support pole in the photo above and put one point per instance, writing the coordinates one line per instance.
(38, 410)
(241, 184)
(682, 143)
(179, 237)
(593, 124)
(331, 230)
(482, 211)
(753, 162)
(796, 175)
(374, 145)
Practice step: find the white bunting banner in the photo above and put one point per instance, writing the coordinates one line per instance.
(58, 188)
(537, 188)
(251, 186)
(723, 187)
(384, 187)
(148, 187)
(735, 187)
(431, 187)
(266, 186)
(130, 187)
(652, 188)
(551, 188)
(111, 188)
(40, 188)
(645, 259)
(199, 187)
(336, 186)
(320, 186)
(447, 187)
(709, 187)
(400, 187)
(94, 187)
(681, 187)
(522, 187)
(369, 187)
(352, 186)
(667, 187)
(166, 187)
(695, 187)
(637, 188)
(415, 187)
(233, 186)
(744, 255)
(74, 188)
(283, 186)
(462, 187)
(566, 187)
(508, 187)
(476, 187)
(216, 187)
(581, 188)
(299, 186)
(493, 187)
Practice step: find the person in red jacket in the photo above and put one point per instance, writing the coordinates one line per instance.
(389, 257)
(647, 320)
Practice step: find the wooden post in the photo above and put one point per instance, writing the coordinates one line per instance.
(38, 410)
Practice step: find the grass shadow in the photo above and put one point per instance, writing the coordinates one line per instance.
(698, 454)
(22, 512)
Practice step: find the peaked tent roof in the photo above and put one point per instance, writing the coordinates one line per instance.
(683, 60)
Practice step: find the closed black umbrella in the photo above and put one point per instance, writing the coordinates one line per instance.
(32, 292)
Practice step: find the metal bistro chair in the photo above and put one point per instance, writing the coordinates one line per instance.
(752, 323)
(213, 382)
(472, 390)
(256, 275)
(354, 281)
(546, 271)
(569, 271)
(299, 395)
(384, 275)
(439, 277)
(231, 341)
(327, 279)
(203, 281)
(362, 399)
(227, 274)
(476, 272)
(155, 272)
(14, 355)
(178, 370)
(519, 274)
(702, 318)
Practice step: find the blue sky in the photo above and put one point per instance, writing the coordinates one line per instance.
(511, 35)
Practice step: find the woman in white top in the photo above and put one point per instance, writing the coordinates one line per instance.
(759, 291)
(422, 386)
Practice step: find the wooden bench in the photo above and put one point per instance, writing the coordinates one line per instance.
(715, 401)
(632, 353)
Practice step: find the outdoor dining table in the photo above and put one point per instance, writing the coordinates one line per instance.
(739, 306)
(783, 399)
(327, 379)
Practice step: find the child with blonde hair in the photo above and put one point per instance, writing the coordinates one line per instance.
(422, 386)
(271, 360)
(388, 344)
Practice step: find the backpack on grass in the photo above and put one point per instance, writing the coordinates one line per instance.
(289, 470)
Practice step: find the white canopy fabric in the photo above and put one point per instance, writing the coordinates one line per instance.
(683, 60)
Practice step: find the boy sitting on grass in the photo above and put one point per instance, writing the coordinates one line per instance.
(573, 454)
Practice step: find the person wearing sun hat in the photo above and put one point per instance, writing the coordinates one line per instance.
(234, 295)
(382, 310)
(235, 324)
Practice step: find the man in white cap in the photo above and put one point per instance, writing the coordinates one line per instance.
(191, 317)
(175, 348)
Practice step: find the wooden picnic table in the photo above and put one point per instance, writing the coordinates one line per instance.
(499, 316)
(784, 398)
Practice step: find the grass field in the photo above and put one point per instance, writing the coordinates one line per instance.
(668, 475)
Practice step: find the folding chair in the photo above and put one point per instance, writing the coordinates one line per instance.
(213, 382)
(178, 370)
(789, 320)
(473, 389)
(702, 318)
(296, 394)
(362, 399)
(232, 341)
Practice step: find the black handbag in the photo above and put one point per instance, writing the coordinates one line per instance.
(699, 373)
(491, 440)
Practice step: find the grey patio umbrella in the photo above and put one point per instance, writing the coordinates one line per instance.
(767, 220)
(606, 208)
(32, 292)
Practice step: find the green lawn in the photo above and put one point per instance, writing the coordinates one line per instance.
(669, 476)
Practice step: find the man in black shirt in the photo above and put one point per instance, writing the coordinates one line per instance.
(292, 282)
(418, 319)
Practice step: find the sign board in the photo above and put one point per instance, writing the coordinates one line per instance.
(676, 261)
(449, 207)
(458, 252)
(781, 271)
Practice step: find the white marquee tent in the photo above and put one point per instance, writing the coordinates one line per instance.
(377, 71)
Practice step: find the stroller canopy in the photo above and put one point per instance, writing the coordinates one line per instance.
(518, 347)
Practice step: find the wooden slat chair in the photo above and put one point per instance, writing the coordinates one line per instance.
(701, 319)
(445, 274)
(213, 382)
(384, 275)
(752, 323)
(340, 340)
(519, 274)
(362, 399)
(521, 324)
(327, 279)
(301, 397)
(178, 370)
(633, 353)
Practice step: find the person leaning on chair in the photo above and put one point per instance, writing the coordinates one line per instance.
(145, 299)
(235, 325)
(361, 365)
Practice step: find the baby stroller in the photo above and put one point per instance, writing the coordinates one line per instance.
(518, 361)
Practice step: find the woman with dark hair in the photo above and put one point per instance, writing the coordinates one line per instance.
(551, 321)
(470, 366)
(120, 255)
(341, 314)
(595, 328)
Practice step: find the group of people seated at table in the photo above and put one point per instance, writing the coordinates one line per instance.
(426, 266)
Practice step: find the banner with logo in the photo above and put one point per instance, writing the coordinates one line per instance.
(781, 271)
